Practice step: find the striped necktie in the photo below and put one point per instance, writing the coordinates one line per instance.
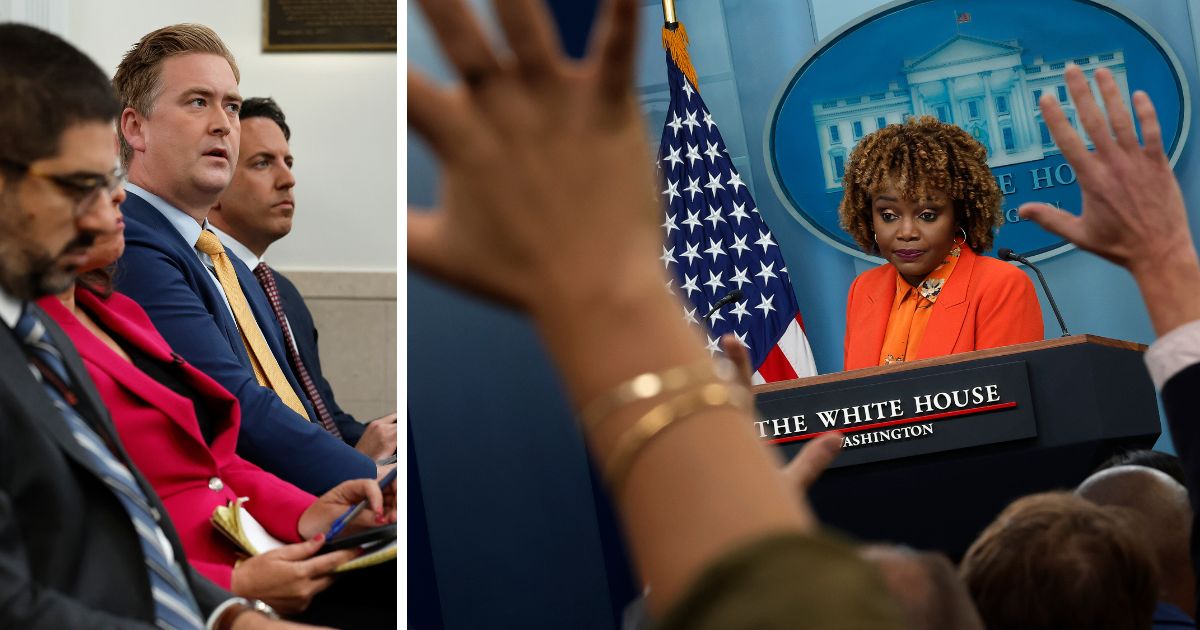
(266, 368)
(174, 605)
(266, 278)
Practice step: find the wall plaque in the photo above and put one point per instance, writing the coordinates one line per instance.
(329, 25)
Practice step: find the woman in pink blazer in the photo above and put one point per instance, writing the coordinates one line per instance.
(181, 429)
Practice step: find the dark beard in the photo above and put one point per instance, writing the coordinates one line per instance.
(27, 273)
(27, 270)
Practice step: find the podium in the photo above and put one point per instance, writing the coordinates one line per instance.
(936, 448)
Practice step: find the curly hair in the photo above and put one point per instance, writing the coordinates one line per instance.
(921, 155)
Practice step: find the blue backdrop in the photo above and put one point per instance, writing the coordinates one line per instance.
(507, 495)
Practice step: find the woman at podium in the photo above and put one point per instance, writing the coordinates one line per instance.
(921, 196)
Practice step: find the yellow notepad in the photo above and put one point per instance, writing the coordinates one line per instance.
(249, 536)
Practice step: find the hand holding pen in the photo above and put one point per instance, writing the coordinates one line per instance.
(349, 515)
(340, 508)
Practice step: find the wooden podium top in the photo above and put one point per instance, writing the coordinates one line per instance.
(949, 359)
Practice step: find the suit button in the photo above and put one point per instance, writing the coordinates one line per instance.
(154, 513)
(215, 484)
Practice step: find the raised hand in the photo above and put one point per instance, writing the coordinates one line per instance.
(740, 356)
(1133, 212)
(811, 462)
(547, 184)
(1132, 205)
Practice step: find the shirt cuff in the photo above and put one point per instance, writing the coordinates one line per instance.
(211, 624)
(1173, 352)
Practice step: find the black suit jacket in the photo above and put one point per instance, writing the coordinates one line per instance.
(1180, 400)
(69, 556)
(304, 331)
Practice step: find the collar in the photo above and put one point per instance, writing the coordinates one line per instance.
(931, 287)
(243, 253)
(182, 221)
(10, 309)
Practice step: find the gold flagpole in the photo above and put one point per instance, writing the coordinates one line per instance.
(669, 20)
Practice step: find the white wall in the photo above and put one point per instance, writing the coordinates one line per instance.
(341, 108)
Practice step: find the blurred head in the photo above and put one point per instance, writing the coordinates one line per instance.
(1158, 460)
(58, 153)
(106, 249)
(912, 190)
(1165, 515)
(179, 128)
(1054, 560)
(257, 207)
(924, 583)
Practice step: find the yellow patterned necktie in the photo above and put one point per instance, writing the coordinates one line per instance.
(266, 368)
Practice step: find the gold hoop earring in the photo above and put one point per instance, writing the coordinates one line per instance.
(964, 238)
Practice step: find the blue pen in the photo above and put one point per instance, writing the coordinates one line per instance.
(341, 521)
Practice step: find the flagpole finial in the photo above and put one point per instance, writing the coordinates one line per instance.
(669, 20)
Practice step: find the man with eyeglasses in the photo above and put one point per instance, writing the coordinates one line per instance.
(84, 541)
(180, 139)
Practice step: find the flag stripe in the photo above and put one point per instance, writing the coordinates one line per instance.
(790, 359)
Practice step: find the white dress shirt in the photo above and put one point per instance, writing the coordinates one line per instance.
(1173, 352)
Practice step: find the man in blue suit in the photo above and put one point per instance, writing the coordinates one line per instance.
(179, 142)
(255, 211)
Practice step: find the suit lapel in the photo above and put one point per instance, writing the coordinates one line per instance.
(26, 392)
(23, 389)
(139, 383)
(102, 425)
(872, 320)
(142, 211)
(950, 311)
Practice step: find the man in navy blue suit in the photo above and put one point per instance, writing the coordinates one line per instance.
(179, 141)
(254, 212)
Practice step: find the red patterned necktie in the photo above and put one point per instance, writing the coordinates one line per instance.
(267, 279)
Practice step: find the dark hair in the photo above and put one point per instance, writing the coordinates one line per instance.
(47, 85)
(1158, 460)
(98, 281)
(259, 107)
(1055, 560)
(918, 156)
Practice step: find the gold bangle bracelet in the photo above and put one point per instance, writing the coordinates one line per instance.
(653, 384)
(652, 423)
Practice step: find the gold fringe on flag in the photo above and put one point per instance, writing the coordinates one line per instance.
(675, 41)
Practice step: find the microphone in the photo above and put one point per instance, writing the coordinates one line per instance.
(732, 296)
(1008, 254)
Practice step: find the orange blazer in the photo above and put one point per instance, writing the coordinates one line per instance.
(986, 303)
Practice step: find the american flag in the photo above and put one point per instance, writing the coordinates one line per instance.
(717, 242)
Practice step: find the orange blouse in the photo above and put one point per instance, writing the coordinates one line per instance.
(911, 310)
